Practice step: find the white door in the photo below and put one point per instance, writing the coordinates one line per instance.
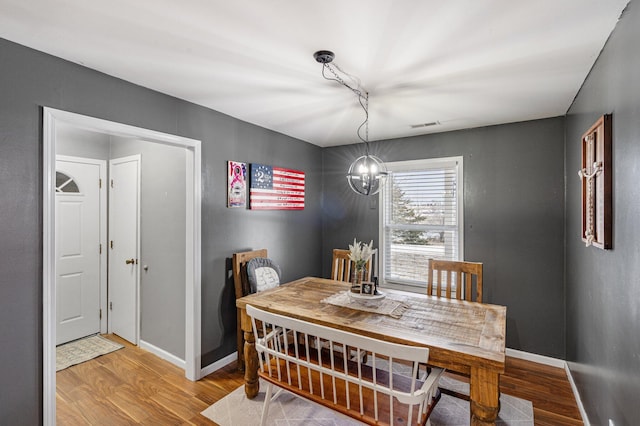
(79, 259)
(124, 214)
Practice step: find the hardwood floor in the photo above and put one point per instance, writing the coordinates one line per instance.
(132, 386)
(546, 387)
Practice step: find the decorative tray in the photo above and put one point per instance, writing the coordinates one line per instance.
(380, 295)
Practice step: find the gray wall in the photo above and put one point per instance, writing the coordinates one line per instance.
(603, 288)
(513, 217)
(30, 80)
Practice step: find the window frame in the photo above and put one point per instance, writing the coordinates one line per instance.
(418, 165)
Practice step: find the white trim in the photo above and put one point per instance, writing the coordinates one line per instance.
(460, 200)
(540, 359)
(193, 246)
(576, 394)
(161, 353)
(410, 165)
(212, 368)
(193, 242)
(48, 270)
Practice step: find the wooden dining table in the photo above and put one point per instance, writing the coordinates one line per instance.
(465, 337)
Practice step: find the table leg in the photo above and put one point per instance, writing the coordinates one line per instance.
(240, 341)
(251, 384)
(485, 396)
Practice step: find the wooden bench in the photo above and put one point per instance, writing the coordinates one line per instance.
(292, 357)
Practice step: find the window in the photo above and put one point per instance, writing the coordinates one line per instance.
(65, 184)
(421, 217)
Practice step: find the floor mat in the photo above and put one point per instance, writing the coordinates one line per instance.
(82, 350)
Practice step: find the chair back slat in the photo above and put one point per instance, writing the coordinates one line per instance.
(341, 266)
(455, 279)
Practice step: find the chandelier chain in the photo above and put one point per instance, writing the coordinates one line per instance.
(340, 80)
(363, 99)
(366, 121)
(367, 173)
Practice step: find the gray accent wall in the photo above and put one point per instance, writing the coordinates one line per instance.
(30, 80)
(513, 217)
(603, 287)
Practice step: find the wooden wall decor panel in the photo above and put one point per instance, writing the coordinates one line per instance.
(596, 178)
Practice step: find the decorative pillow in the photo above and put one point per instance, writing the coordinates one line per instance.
(263, 274)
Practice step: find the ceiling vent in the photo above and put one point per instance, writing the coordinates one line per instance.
(417, 126)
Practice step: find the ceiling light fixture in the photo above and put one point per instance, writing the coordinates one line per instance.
(367, 173)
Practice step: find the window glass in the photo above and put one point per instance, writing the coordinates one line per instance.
(420, 218)
(65, 184)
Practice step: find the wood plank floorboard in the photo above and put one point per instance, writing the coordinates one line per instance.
(132, 387)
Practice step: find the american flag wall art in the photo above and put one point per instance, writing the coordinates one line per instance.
(276, 188)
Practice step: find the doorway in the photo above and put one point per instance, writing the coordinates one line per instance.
(53, 118)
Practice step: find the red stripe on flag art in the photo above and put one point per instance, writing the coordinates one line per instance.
(276, 188)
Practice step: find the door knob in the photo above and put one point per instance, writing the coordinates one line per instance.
(130, 261)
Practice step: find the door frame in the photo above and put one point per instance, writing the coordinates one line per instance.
(102, 164)
(50, 119)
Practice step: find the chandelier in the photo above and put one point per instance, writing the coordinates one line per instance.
(367, 173)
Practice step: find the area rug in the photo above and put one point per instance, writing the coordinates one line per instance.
(82, 350)
(236, 410)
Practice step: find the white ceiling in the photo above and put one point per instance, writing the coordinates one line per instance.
(463, 63)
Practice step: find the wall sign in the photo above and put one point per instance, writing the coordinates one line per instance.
(276, 188)
(236, 184)
(595, 174)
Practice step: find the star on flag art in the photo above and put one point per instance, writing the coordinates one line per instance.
(276, 188)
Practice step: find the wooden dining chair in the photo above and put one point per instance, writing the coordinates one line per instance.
(243, 288)
(455, 280)
(341, 266)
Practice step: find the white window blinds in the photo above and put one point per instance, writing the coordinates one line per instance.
(421, 218)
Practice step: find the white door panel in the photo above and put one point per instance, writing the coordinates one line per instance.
(78, 238)
(124, 213)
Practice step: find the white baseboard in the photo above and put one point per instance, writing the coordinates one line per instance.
(218, 364)
(574, 388)
(540, 359)
(161, 353)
